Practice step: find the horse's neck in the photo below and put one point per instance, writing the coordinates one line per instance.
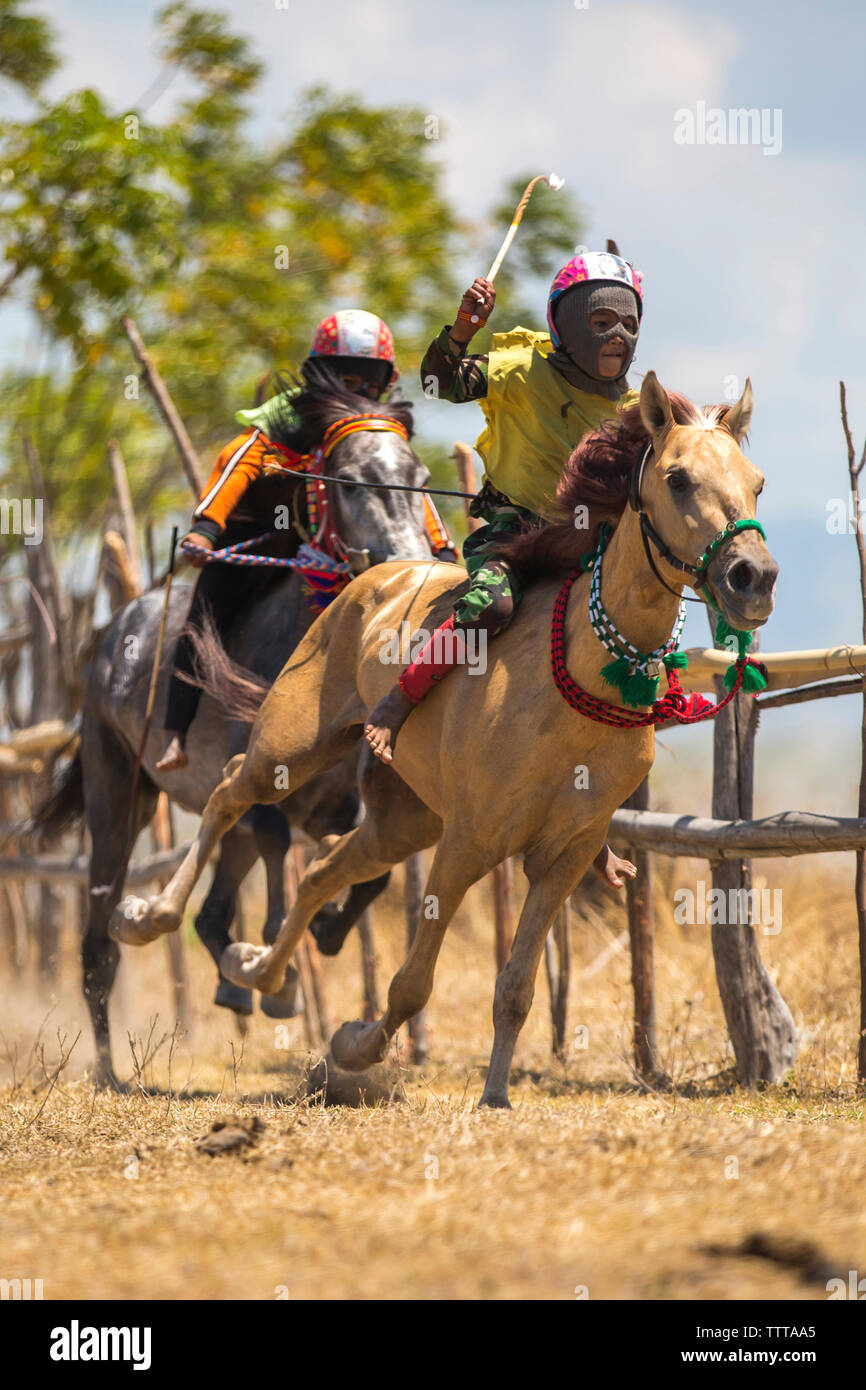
(641, 609)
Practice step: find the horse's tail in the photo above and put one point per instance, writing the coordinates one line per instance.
(63, 808)
(237, 690)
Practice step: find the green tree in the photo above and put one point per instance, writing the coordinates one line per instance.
(27, 55)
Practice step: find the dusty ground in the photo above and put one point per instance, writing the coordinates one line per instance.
(589, 1187)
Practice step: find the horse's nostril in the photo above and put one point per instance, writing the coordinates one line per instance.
(743, 576)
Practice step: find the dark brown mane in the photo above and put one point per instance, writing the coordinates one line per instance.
(596, 477)
(322, 400)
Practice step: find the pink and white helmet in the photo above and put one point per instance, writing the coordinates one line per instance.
(353, 333)
(599, 266)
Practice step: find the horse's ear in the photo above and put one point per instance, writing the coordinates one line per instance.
(613, 249)
(655, 407)
(739, 417)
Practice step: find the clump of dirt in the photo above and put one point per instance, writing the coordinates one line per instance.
(233, 1134)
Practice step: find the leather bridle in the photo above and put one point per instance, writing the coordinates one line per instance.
(650, 536)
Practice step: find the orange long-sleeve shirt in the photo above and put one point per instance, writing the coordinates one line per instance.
(241, 463)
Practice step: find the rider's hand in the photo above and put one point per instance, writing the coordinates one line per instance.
(195, 539)
(477, 303)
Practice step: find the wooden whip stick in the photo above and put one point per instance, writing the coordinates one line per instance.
(552, 181)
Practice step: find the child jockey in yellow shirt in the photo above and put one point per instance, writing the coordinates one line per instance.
(540, 395)
(242, 493)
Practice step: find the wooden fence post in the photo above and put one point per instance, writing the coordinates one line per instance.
(759, 1021)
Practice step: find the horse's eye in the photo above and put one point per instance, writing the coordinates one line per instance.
(678, 480)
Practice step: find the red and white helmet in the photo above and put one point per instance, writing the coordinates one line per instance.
(354, 333)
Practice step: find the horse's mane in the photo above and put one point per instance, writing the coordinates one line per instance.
(597, 477)
(323, 399)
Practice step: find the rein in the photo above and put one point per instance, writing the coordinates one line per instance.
(325, 563)
(625, 672)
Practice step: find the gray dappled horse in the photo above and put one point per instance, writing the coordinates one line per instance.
(97, 785)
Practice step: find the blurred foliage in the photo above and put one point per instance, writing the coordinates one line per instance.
(226, 253)
(27, 55)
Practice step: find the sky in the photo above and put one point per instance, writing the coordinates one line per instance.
(753, 260)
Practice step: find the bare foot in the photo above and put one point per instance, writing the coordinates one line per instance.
(385, 721)
(174, 757)
(610, 867)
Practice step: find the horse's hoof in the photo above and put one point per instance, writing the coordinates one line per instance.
(234, 997)
(136, 922)
(328, 931)
(252, 967)
(494, 1102)
(356, 1046)
(286, 1004)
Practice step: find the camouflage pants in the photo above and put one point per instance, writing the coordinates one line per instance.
(496, 589)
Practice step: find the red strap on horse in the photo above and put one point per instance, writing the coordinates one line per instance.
(674, 705)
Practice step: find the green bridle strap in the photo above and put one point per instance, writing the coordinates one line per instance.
(703, 562)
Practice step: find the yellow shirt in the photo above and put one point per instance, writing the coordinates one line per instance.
(535, 418)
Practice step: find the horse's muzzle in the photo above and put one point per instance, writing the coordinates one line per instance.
(747, 587)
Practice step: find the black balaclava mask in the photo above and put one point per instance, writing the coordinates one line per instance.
(370, 369)
(577, 357)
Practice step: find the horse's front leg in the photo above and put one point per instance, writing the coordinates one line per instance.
(135, 921)
(515, 984)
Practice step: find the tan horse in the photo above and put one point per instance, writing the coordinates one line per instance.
(486, 766)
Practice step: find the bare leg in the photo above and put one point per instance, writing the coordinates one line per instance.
(385, 721)
(612, 869)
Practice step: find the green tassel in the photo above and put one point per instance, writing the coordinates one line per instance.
(753, 680)
(676, 661)
(724, 631)
(635, 687)
(617, 672)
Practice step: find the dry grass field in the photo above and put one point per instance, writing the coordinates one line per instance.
(590, 1187)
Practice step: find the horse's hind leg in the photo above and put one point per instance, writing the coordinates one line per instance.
(238, 854)
(273, 838)
(332, 923)
(107, 778)
(259, 776)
